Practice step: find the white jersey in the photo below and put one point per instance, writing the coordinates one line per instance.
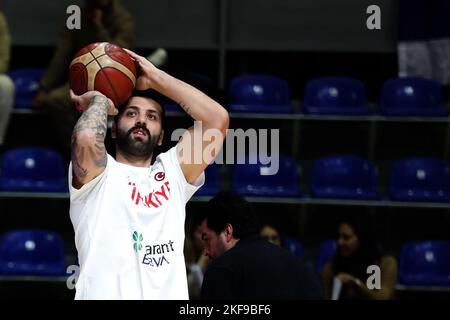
(129, 231)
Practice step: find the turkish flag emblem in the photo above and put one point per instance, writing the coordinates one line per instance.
(160, 176)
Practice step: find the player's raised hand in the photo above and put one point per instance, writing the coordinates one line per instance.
(83, 102)
(147, 71)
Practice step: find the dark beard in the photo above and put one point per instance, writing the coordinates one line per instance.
(136, 147)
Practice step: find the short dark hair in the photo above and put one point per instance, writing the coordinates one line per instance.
(228, 207)
(149, 94)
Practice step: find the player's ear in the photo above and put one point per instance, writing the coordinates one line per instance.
(114, 131)
(161, 136)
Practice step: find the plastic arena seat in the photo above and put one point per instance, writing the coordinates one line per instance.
(32, 169)
(212, 182)
(293, 246)
(172, 107)
(261, 94)
(335, 96)
(412, 96)
(420, 179)
(32, 252)
(26, 82)
(258, 179)
(327, 251)
(425, 263)
(343, 177)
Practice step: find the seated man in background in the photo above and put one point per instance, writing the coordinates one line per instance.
(6, 85)
(101, 21)
(244, 265)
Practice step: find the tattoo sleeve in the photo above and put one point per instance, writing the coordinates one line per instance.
(90, 154)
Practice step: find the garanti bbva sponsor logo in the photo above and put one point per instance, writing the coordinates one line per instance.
(154, 255)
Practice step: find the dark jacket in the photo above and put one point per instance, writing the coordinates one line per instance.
(257, 269)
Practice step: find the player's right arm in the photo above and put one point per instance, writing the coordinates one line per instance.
(88, 137)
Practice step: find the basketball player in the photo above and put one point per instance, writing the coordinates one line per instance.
(128, 214)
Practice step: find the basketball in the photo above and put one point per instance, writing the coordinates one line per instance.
(106, 68)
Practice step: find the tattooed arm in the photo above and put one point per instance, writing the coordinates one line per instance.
(194, 156)
(88, 138)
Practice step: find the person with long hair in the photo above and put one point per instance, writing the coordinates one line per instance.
(356, 251)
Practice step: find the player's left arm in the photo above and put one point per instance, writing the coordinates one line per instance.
(194, 156)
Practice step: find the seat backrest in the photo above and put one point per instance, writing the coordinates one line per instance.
(31, 251)
(258, 175)
(26, 82)
(343, 171)
(293, 246)
(34, 163)
(327, 251)
(335, 92)
(260, 90)
(32, 170)
(420, 174)
(425, 257)
(411, 92)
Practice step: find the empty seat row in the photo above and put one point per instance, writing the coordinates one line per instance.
(340, 177)
(409, 96)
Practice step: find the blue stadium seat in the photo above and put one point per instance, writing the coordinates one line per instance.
(32, 252)
(26, 82)
(412, 96)
(420, 179)
(212, 182)
(32, 169)
(173, 107)
(425, 263)
(335, 96)
(327, 251)
(293, 246)
(249, 181)
(343, 177)
(260, 94)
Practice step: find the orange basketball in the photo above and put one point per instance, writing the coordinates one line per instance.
(106, 68)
